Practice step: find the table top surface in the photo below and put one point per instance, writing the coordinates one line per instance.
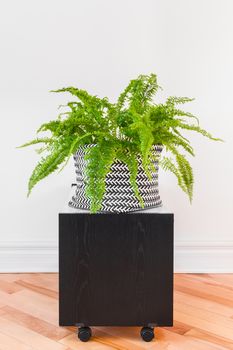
(69, 210)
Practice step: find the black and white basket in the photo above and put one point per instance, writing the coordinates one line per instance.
(119, 196)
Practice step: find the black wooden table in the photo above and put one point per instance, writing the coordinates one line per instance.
(116, 270)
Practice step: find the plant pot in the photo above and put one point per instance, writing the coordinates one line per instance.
(119, 196)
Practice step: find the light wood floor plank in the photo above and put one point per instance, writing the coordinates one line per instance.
(34, 304)
(10, 343)
(117, 336)
(203, 317)
(224, 279)
(9, 287)
(29, 337)
(12, 277)
(36, 288)
(165, 340)
(47, 281)
(92, 344)
(179, 328)
(35, 324)
(202, 303)
(178, 342)
(207, 315)
(208, 326)
(200, 334)
(199, 289)
(199, 285)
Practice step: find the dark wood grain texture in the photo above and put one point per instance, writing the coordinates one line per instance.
(116, 269)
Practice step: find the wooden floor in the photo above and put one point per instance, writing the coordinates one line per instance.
(29, 317)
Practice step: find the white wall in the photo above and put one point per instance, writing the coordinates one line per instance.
(99, 46)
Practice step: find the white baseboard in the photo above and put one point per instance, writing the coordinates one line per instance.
(190, 257)
(204, 256)
(28, 257)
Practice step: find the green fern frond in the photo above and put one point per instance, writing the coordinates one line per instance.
(168, 165)
(92, 107)
(100, 159)
(42, 149)
(50, 126)
(180, 141)
(77, 142)
(48, 165)
(185, 171)
(139, 93)
(187, 174)
(199, 130)
(130, 159)
(180, 113)
(146, 142)
(86, 98)
(36, 141)
(173, 100)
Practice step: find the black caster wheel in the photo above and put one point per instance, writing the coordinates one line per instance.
(84, 333)
(147, 333)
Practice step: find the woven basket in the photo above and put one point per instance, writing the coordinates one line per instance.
(119, 196)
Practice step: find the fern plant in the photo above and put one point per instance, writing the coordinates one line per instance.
(120, 131)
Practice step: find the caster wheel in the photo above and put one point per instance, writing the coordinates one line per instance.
(84, 333)
(147, 333)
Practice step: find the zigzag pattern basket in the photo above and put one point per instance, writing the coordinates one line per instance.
(119, 196)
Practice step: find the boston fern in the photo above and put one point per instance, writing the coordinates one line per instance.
(120, 131)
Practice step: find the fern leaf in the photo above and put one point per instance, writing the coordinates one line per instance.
(50, 126)
(86, 98)
(36, 141)
(180, 113)
(100, 159)
(75, 145)
(187, 174)
(146, 141)
(48, 165)
(185, 171)
(199, 130)
(131, 161)
(180, 141)
(168, 165)
(179, 100)
(139, 93)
